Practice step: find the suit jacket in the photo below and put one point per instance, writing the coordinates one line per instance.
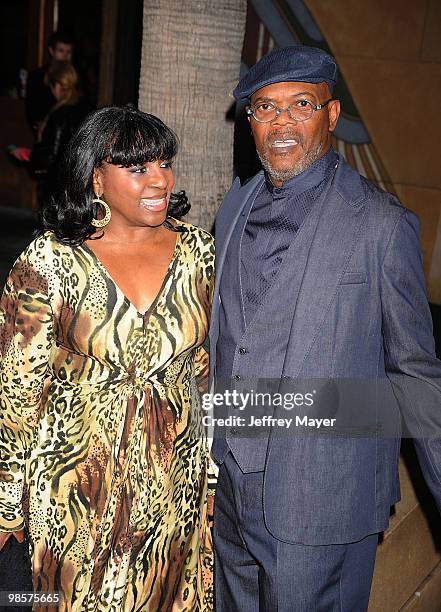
(360, 312)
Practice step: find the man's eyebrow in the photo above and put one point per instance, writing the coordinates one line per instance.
(264, 99)
(294, 95)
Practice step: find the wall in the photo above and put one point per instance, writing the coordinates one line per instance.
(390, 55)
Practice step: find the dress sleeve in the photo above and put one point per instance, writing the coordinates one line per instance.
(201, 369)
(203, 380)
(201, 361)
(26, 340)
(201, 373)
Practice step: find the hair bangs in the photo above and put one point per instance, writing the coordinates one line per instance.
(140, 139)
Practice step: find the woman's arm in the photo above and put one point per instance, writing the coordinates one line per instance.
(26, 340)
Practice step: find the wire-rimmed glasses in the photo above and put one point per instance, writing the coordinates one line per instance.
(300, 110)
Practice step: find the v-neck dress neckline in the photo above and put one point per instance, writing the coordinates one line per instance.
(158, 295)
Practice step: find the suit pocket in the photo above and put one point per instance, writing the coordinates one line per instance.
(353, 278)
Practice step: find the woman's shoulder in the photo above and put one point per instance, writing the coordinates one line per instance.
(43, 249)
(42, 263)
(68, 113)
(197, 249)
(45, 242)
(33, 269)
(196, 233)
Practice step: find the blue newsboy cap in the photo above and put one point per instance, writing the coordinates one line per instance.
(294, 63)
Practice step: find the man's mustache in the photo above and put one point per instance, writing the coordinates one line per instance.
(271, 137)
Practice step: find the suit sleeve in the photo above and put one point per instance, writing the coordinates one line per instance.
(26, 339)
(411, 364)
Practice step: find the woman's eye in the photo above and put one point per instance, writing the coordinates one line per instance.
(166, 164)
(138, 169)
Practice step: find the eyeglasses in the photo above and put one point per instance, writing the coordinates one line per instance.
(300, 110)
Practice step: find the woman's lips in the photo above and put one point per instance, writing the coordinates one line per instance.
(156, 205)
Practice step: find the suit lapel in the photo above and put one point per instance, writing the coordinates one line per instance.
(228, 217)
(333, 245)
(232, 207)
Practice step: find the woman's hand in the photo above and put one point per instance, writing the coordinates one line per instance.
(210, 510)
(5, 535)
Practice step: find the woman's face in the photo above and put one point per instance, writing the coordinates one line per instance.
(138, 195)
(57, 91)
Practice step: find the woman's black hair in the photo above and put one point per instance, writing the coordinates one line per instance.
(123, 136)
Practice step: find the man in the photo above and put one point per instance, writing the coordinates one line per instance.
(319, 278)
(39, 98)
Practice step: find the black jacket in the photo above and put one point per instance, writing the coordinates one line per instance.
(60, 126)
(39, 98)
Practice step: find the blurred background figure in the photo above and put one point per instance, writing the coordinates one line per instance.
(39, 96)
(56, 129)
(61, 121)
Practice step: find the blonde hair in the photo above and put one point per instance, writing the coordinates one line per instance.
(65, 75)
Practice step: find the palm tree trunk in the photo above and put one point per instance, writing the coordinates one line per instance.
(191, 51)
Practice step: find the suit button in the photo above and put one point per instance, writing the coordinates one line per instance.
(237, 377)
(243, 350)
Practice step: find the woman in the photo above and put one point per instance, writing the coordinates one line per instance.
(63, 119)
(58, 127)
(104, 315)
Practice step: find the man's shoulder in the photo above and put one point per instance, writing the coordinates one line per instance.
(242, 187)
(357, 190)
(239, 192)
(255, 177)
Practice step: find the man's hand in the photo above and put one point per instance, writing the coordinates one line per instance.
(5, 535)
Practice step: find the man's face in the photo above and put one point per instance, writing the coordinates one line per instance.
(61, 52)
(287, 147)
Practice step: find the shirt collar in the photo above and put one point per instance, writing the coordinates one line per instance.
(311, 177)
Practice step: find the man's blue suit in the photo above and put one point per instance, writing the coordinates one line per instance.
(360, 312)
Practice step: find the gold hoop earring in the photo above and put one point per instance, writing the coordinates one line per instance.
(107, 213)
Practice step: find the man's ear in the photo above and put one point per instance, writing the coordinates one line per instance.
(97, 181)
(333, 113)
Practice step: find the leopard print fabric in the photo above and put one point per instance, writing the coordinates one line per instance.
(103, 455)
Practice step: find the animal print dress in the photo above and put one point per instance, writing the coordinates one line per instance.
(102, 451)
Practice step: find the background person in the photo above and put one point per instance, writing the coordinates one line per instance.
(39, 97)
(103, 454)
(57, 128)
(62, 120)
